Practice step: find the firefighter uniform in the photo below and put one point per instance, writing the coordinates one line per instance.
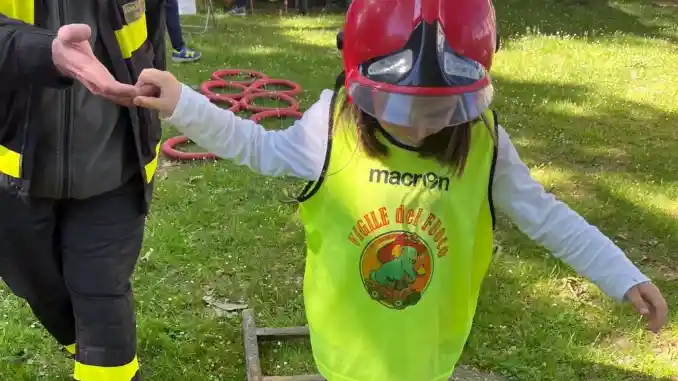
(76, 176)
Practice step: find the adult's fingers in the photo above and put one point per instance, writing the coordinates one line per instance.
(127, 102)
(95, 76)
(146, 91)
(117, 89)
(109, 88)
(73, 33)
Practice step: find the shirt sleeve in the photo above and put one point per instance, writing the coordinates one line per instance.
(560, 229)
(26, 56)
(297, 151)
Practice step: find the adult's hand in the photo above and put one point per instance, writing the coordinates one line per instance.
(73, 56)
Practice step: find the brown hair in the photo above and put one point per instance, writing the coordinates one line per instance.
(450, 146)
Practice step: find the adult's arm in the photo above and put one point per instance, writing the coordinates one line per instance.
(26, 56)
(155, 23)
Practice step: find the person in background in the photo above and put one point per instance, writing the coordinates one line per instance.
(77, 163)
(240, 8)
(180, 53)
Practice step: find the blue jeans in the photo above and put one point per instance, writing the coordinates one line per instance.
(174, 24)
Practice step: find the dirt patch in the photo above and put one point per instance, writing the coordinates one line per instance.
(666, 4)
(657, 268)
(465, 374)
(164, 166)
(665, 344)
(662, 344)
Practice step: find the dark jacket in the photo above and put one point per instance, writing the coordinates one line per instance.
(57, 140)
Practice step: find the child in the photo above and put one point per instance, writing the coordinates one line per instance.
(405, 162)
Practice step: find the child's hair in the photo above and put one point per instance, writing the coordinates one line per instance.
(450, 146)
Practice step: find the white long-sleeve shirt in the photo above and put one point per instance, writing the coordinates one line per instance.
(300, 151)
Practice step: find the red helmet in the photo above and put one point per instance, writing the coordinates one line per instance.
(420, 62)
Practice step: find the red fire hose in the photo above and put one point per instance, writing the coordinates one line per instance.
(207, 86)
(245, 102)
(168, 147)
(247, 91)
(279, 113)
(254, 75)
(258, 84)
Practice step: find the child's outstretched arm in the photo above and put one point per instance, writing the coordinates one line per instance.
(569, 237)
(297, 151)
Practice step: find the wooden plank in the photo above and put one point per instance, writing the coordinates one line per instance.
(252, 361)
(286, 332)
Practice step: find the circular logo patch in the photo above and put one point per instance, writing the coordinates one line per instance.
(396, 268)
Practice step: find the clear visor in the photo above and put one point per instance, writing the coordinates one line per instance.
(421, 111)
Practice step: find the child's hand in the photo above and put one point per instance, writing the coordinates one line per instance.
(167, 96)
(649, 302)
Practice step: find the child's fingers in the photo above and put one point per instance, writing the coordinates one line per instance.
(659, 309)
(148, 102)
(638, 302)
(153, 77)
(148, 91)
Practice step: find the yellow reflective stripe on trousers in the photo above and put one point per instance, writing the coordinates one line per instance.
(10, 162)
(84, 372)
(19, 9)
(153, 165)
(132, 36)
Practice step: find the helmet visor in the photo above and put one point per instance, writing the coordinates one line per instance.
(418, 110)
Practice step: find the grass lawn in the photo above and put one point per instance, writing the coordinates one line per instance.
(589, 92)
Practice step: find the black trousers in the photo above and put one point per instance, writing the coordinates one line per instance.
(72, 261)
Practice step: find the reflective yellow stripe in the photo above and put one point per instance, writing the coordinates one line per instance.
(18, 9)
(153, 165)
(10, 161)
(70, 348)
(132, 36)
(84, 372)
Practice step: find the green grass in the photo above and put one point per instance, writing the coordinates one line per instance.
(589, 93)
